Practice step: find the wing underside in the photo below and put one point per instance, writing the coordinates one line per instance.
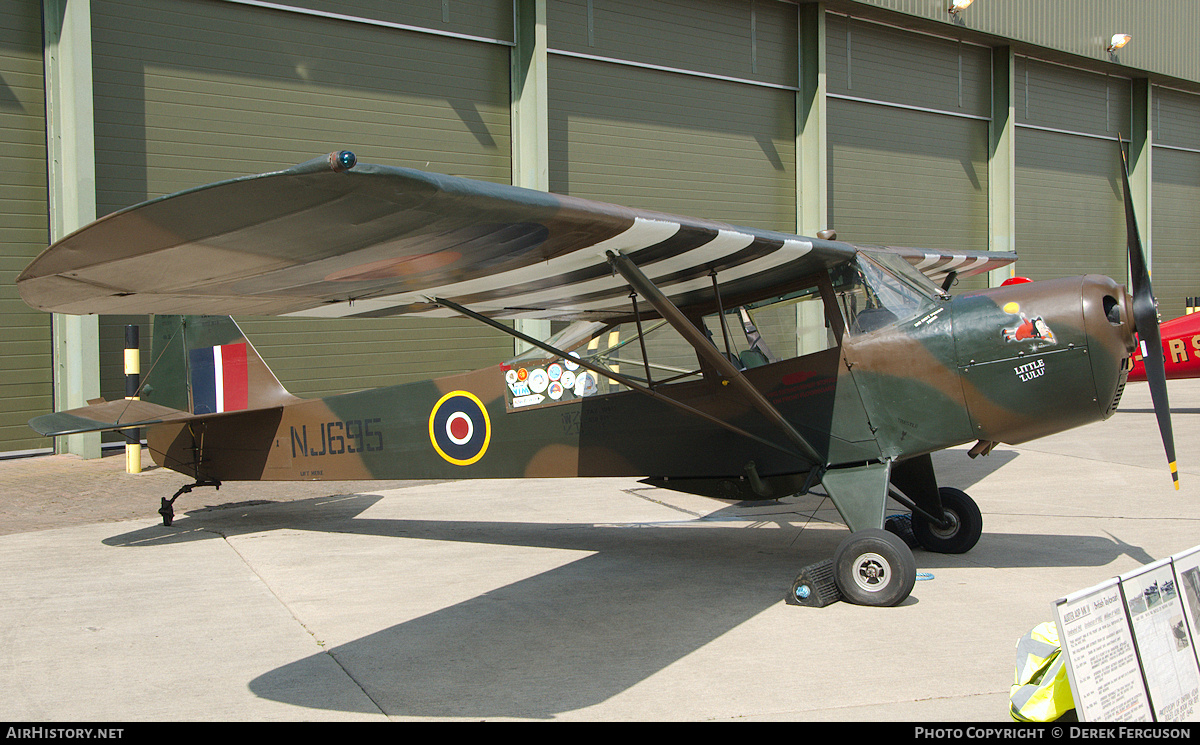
(376, 241)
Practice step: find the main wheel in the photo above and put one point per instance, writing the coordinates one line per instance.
(962, 533)
(874, 567)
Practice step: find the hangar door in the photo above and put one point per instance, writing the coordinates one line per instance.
(908, 138)
(193, 91)
(682, 106)
(26, 388)
(1070, 215)
(1175, 236)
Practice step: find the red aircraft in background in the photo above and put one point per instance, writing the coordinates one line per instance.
(1181, 349)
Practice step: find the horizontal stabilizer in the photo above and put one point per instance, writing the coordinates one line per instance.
(109, 415)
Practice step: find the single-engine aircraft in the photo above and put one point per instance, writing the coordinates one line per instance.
(706, 358)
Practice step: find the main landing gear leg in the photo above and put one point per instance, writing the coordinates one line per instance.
(871, 566)
(167, 510)
(876, 567)
(944, 520)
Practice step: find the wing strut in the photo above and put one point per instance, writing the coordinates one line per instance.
(605, 372)
(642, 285)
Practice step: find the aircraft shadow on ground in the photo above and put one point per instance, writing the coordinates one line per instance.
(565, 639)
(645, 597)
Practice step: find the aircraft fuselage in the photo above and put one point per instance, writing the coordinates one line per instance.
(1005, 365)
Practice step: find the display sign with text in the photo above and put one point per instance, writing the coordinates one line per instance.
(1130, 644)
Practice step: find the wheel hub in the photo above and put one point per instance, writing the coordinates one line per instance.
(950, 517)
(871, 572)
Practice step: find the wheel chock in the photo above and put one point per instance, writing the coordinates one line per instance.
(815, 586)
(901, 525)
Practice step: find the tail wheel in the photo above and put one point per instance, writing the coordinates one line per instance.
(963, 528)
(874, 567)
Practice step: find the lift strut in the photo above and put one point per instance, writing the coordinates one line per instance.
(605, 372)
(694, 336)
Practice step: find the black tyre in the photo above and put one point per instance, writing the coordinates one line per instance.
(874, 567)
(966, 524)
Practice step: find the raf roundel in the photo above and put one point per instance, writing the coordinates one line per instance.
(459, 428)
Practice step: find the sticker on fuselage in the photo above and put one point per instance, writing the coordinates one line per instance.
(539, 380)
(1034, 331)
(459, 428)
(554, 382)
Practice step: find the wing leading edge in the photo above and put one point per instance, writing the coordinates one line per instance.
(324, 240)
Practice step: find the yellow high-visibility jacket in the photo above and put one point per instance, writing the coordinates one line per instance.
(1040, 690)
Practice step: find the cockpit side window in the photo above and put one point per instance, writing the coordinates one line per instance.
(872, 297)
(790, 326)
(651, 354)
(802, 321)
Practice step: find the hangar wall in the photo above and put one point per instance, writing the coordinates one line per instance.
(1070, 210)
(189, 92)
(676, 106)
(908, 134)
(1176, 194)
(26, 388)
(873, 118)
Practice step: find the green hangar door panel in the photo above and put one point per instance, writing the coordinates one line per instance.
(189, 92)
(25, 363)
(908, 138)
(1176, 219)
(682, 107)
(1070, 215)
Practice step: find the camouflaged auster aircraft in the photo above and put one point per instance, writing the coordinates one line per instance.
(707, 358)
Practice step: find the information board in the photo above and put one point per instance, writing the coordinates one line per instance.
(1130, 644)
(1102, 664)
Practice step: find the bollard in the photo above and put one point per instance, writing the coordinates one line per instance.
(133, 438)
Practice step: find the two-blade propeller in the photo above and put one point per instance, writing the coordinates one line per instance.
(1145, 321)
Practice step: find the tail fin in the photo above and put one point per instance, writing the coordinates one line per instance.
(205, 365)
(198, 365)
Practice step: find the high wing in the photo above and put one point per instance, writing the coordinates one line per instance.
(332, 238)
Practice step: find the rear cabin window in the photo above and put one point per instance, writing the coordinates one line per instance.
(870, 294)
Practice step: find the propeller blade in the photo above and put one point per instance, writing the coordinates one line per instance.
(1145, 320)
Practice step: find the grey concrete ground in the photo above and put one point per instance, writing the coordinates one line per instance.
(548, 599)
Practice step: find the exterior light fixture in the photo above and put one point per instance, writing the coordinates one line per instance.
(1118, 41)
(958, 5)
